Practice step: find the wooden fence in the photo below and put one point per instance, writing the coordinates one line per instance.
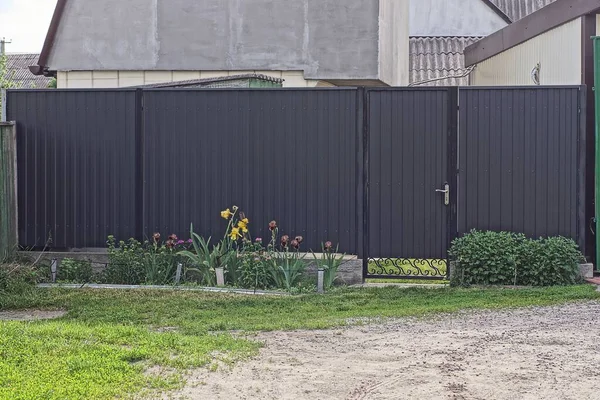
(8, 189)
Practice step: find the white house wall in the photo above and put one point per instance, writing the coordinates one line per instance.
(393, 42)
(323, 38)
(118, 79)
(453, 18)
(558, 52)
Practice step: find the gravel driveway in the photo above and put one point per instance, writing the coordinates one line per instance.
(534, 353)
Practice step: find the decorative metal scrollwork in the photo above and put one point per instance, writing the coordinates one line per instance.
(408, 267)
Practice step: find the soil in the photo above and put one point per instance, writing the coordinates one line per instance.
(534, 353)
(30, 315)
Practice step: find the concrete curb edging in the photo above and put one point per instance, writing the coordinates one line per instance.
(161, 287)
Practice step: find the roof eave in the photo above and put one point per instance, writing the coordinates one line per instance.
(498, 11)
(535, 24)
(42, 66)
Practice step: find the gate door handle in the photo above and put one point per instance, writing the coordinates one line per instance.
(446, 192)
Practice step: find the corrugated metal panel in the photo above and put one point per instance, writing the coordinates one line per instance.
(519, 161)
(408, 159)
(558, 52)
(438, 57)
(76, 166)
(517, 9)
(288, 155)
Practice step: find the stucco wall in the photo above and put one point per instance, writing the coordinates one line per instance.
(453, 18)
(323, 38)
(558, 51)
(393, 42)
(117, 79)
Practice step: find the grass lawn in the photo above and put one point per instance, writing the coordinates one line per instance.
(117, 343)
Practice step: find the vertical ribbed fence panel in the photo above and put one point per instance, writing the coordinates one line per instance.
(522, 163)
(8, 195)
(408, 158)
(76, 166)
(285, 155)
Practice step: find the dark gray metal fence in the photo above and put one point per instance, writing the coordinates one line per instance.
(522, 161)
(76, 162)
(286, 155)
(356, 166)
(411, 145)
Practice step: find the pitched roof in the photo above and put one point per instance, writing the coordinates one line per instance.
(208, 82)
(18, 69)
(432, 58)
(517, 9)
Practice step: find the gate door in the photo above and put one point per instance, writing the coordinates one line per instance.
(410, 186)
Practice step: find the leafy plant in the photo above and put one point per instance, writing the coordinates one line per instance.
(203, 259)
(16, 277)
(550, 261)
(224, 254)
(504, 258)
(161, 259)
(329, 262)
(254, 267)
(75, 271)
(7, 77)
(125, 262)
(287, 266)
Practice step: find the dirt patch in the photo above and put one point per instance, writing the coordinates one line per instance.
(535, 353)
(30, 315)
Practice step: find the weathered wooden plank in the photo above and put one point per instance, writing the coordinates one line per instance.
(8, 189)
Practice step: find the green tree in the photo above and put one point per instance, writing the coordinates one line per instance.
(6, 76)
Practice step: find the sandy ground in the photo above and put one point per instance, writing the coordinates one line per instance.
(535, 353)
(30, 315)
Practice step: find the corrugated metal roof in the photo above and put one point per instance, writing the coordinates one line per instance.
(18, 69)
(517, 9)
(438, 57)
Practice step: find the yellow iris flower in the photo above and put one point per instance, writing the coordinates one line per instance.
(226, 214)
(235, 233)
(243, 225)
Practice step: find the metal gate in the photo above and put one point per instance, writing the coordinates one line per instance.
(410, 143)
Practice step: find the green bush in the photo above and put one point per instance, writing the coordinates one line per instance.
(551, 261)
(254, 271)
(125, 263)
(75, 271)
(17, 277)
(504, 258)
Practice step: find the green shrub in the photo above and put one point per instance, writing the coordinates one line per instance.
(254, 271)
(17, 277)
(504, 258)
(125, 263)
(550, 261)
(75, 271)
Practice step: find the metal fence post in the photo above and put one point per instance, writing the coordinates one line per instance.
(596, 40)
(139, 163)
(365, 182)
